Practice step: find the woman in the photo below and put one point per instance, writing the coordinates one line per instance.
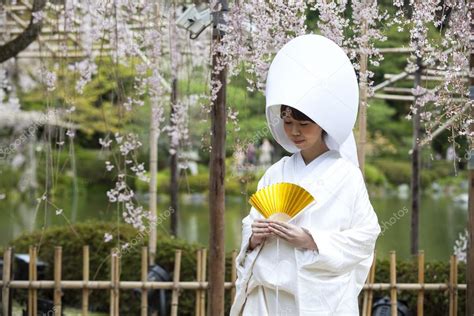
(316, 264)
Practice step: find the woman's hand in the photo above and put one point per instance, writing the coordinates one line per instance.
(260, 231)
(295, 235)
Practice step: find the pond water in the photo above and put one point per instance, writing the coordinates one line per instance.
(441, 220)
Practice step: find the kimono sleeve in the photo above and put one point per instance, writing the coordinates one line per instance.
(247, 232)
(341, 251)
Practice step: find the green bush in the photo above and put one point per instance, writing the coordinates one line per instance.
(436, 302)
(72, 239)
(396, 172)
(374, 176)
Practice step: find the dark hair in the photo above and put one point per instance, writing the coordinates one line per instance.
(294, 113)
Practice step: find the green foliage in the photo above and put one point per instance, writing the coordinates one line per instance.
(397, 172)
(97, 108)
(436, 302)
(8, 178)
(73, 238)
(374, 176)
(235, 184)
(90, 167)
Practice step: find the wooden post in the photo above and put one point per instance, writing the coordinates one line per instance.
(197, 303)
(393, 283)
(32, 276)
(366, 305)
(112, 275)
(470, 167)
(217, 174)
(202, 296)
(144, 301)
(7, 261)
(450, 287)
(233, 275)
(57, 280)
(117, 285)
(176, 273)
(372, 281)
(115, 282)
(455, 284)
(85, 280)
(453, 276)
(421, 280)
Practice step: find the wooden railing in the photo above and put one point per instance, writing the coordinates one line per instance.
(200, 285)
(452, 286)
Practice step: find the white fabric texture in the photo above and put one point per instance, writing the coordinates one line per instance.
(260, 301)
(341, 221)
(314, 75)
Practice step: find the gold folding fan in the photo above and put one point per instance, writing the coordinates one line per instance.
(281, 201)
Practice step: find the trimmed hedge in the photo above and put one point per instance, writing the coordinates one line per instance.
(399, 172)
(72, 239)
(436, 302)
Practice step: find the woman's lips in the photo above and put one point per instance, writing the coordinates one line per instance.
(298, 141)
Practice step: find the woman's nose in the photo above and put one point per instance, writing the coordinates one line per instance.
(295, 130)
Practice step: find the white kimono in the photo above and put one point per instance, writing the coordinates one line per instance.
(344, 226)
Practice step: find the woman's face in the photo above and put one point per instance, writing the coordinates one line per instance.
(304, 134)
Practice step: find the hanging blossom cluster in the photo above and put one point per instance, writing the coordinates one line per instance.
(453, 92)
(121, 193)
(127, 31)
(178, 128)
(8, 99)
(254, 31)
(364, 23)
(460, 246)
(447, 57)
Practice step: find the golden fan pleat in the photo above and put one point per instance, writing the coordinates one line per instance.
(281, 198)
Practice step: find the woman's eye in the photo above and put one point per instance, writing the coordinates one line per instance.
(287, 122)
(303, 124)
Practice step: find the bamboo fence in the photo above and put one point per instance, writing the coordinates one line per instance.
(199, 286)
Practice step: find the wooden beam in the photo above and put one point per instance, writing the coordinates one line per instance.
(411, 77)
(393, 97)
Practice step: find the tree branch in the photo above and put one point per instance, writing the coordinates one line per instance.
(22, 41)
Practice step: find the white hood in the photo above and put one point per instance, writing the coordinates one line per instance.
(313, 75)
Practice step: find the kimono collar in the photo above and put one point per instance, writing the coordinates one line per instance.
(299, 172)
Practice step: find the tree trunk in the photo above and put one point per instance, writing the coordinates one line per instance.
(154, 133)
(416, 167)
(362, 107)
(216, 183)
(174, 167)
(152, 187)
(470, 243)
